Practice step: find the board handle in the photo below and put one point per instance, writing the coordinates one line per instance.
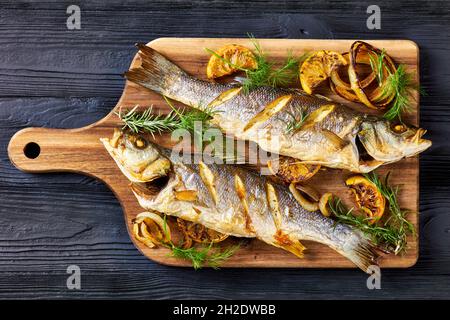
(56, 150)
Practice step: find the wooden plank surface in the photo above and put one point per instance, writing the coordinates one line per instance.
(80, 150)
(70, 84)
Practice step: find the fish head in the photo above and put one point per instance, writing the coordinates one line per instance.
(390, 141)
(138, 159)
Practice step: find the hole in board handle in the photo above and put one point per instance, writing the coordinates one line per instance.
(32, 150)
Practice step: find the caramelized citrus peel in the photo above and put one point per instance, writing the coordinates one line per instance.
(367, 197)
(229, 59)
(318, 67)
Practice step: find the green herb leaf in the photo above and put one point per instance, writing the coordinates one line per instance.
(295, 123)
(393, 232)
(377, 64)
(188, 119)
(399, 83)
(147, 121)
(200, 257)
(265, 74)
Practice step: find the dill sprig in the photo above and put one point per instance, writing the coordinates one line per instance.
(200, 257)
(400, 83)
(377, 64)
(265, 74)
(208, 255)
(295, 123)
(393, 231)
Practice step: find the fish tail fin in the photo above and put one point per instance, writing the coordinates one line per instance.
(296, 248)
(156, 72)
(361, 252)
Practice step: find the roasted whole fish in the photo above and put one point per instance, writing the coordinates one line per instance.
(333, 135)
(231, 200)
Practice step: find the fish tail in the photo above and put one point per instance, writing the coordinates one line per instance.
(156, 72)
(361, 252)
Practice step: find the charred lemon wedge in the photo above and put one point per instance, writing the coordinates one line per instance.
(238, 57)
(367, 196)
(292, 170)
(318, 67)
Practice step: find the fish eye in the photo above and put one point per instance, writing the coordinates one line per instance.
(398, 128)
(140, 142)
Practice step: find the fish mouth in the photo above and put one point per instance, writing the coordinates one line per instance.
(367, 162)
(417, 137)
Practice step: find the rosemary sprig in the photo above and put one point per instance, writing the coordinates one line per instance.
(158, 123)
(398, 216)
(265, 74)
(295, 123)
(188, 119)
(200, 257)
(147, 121)
(393, 231)
(378, 234)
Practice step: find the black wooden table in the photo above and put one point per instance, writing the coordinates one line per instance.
(55, 77)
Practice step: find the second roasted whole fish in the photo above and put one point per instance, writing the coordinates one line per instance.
(231, 200)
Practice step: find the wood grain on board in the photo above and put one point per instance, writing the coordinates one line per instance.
(80, 151)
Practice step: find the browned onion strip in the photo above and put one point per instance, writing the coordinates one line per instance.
(343, 92)
(198, 233)
(362, 59)
(358, 48)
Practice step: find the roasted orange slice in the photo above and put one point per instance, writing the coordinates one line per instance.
(318, 67)
(229, 59)
(367, 196)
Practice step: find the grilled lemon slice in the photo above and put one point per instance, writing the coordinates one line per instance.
(318, 67)
(367, 197)
(232, 57)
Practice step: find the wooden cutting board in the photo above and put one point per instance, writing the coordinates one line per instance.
(39, 150)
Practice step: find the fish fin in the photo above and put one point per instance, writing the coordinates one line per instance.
(296, 248)
(361, 252)
(156, 72)
(282, 240)
(335, 141)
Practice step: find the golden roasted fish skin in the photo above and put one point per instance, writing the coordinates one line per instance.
(328, 137)
(234, 201)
